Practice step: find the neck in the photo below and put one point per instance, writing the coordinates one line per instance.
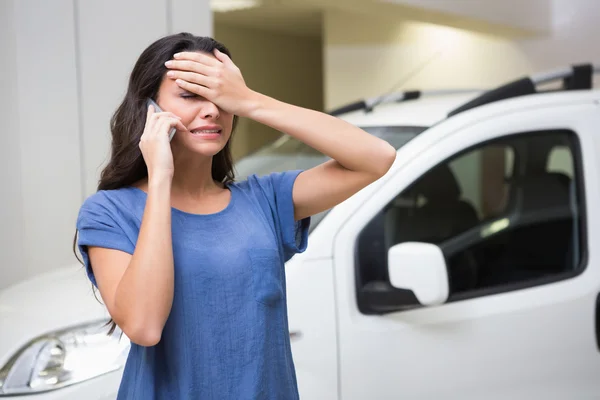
(193, 176)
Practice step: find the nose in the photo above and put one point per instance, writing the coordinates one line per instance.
(209, 110)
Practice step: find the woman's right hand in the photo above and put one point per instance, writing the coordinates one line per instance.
(155, 144)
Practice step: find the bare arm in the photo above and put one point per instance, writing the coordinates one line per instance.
(358, 157)
(138, 289)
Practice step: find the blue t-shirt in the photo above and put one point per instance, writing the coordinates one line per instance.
(227, 335)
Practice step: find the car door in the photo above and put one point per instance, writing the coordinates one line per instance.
(509, 195)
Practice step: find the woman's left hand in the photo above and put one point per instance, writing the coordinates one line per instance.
(217, 80)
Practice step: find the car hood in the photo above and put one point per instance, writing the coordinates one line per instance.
(45, 303)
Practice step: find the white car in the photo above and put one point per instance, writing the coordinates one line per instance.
(466, 272)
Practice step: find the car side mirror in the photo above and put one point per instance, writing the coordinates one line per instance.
(421, 268)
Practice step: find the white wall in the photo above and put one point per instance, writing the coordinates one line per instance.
(532, 15)
(12, 254)
(363, 61)
(110, 43)
(65, 67)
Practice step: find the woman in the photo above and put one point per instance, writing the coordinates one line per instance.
(189, 263)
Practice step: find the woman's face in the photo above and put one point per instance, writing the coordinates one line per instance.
(208, 127)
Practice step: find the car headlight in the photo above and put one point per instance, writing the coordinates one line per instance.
(64, 358)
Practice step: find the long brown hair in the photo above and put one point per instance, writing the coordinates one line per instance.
(126, 165)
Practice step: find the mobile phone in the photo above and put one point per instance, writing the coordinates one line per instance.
(158, 109)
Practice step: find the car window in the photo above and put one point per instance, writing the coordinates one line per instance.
(482, 177)
(505, 213)
(560, 160)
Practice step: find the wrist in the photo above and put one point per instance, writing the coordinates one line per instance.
(254, 103)
(160, 180)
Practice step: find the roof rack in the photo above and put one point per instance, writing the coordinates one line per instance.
(576, 77)
(369, 104)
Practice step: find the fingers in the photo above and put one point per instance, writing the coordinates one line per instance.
(149, 112)
(201, 91)
(161, 130)
(180, 127)
(201, 58)
(169, 119)
(169, 122)
(159, 124)
(165, 126)
(166, 114)
(192, 66)
(197, 72)
(192, 77)
(224, 58)
(150, 118)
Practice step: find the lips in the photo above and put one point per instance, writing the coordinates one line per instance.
(206, 130)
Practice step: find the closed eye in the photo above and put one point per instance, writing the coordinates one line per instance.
(185, 94)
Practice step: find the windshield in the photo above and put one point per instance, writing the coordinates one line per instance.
(288, 153)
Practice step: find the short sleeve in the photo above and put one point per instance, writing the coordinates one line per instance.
(98, 225)
(294, 234)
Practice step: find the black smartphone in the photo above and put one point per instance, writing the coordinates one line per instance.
(158, 109)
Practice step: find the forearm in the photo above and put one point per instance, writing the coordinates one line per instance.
(145, 293)
(350, 146)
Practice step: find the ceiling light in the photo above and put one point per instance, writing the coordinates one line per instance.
(232, 5)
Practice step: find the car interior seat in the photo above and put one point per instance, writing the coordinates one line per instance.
(540, 242)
